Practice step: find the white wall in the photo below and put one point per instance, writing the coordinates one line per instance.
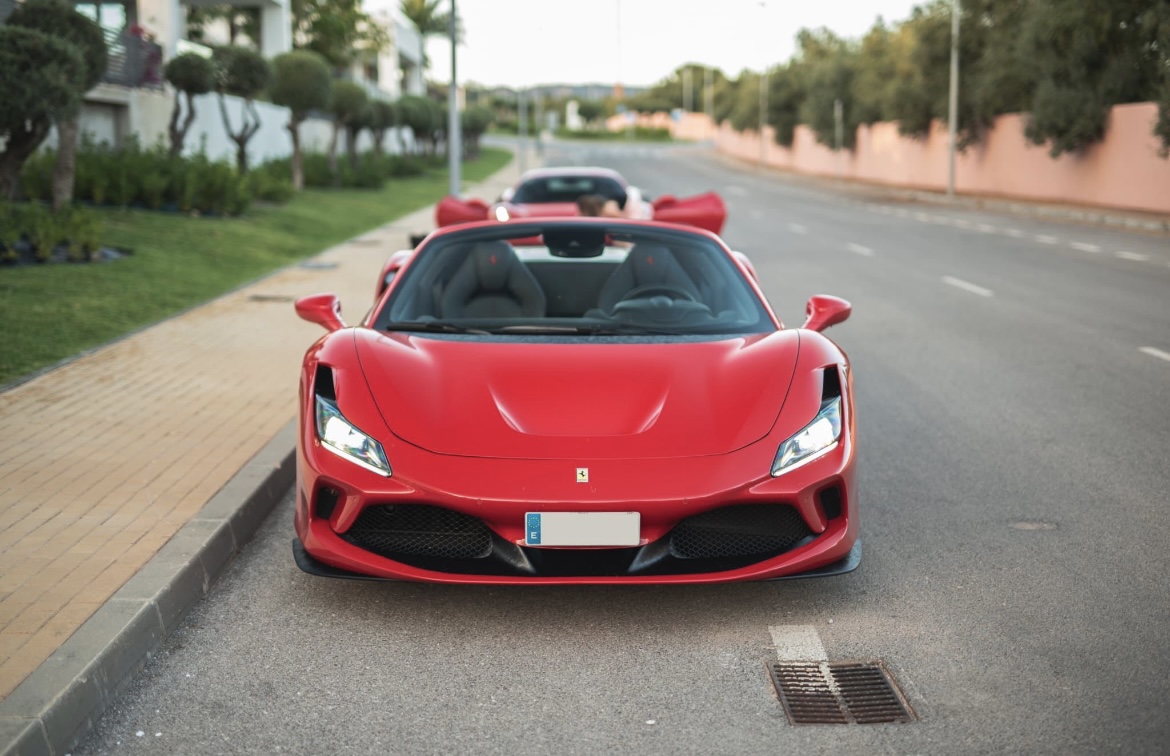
(150, 113)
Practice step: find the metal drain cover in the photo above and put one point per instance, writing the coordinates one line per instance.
(269, 298)
(839, 693)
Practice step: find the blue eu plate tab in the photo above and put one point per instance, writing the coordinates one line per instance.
(532, 526)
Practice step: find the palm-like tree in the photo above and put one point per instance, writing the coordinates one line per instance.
(425, 16)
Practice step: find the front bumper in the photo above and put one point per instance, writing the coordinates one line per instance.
(461, 520)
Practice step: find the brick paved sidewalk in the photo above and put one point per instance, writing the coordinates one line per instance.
(104, 459)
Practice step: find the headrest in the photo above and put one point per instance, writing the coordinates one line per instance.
(493, 263)
(651, 263)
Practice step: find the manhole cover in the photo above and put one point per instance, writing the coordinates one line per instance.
(269, 298)
(815, 693)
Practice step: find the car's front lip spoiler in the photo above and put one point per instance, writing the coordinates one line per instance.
(847, 563)
(313, 566)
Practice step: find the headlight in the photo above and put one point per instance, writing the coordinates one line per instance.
(501, 213)
(344, 440)
(816, 439)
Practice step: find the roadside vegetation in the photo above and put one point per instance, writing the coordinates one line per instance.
(177, 261)
(1063, 64)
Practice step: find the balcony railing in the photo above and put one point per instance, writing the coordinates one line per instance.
(134, 61)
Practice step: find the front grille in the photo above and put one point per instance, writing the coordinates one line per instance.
(394, 531)
(739, 531)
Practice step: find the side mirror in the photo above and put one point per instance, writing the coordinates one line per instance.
(506, 195)
(824, 311)
(322, 309)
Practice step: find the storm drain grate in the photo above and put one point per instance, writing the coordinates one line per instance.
(839, 693)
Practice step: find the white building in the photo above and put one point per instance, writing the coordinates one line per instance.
(134, 99)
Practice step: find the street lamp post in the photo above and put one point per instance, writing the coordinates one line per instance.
(454, 136)
(763, 113)
(523, 131)
(953, 103)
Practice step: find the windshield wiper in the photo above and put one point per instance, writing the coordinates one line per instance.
(432, 326)
(606, 329)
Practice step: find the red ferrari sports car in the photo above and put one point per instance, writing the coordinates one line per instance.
(549, 192)
(585, 400)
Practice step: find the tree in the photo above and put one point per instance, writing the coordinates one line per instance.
(427, 19)
(590, 110)
(302, 83)
(190, 74)
(383, 115)
(58, 18)
(243, 73)
(474, 121)
(423, 117)
(38, 85)
(348, 106)
(337, 30)
(829, 64)
(786, 91)
(1089, 57)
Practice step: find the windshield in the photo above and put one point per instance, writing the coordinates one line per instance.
(573, 280)
(567, 189)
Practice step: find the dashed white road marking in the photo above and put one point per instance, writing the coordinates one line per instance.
(985, 228)
(1153, 352)
(1047, 239)
(756, 215)
(962, 223)
(796, 228)
(1015, 233)
(797, 643)
(967, 286)
(737, 191)
(922, 217)
(864, 251)
(1134, 256)
(1085, 247)
(800, 643)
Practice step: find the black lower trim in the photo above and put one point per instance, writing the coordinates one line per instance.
(847, 563)
(313, 566)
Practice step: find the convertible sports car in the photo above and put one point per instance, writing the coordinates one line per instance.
(549, 192)
(585, 400)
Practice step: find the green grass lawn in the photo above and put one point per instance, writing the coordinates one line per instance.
(51, 312)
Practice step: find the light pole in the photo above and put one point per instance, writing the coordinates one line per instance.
(454, 137)
(953, 104)
(763, 89)
(709, 93)
(523, 131)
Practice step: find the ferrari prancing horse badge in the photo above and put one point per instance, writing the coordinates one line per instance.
(582, 474)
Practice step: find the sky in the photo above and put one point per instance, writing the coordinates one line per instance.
(637, 42)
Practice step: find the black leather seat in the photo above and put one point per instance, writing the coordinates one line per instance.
(492, 283)
(646, 265)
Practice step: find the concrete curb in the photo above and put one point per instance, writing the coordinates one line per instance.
(58, 704)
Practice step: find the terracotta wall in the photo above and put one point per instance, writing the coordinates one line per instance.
(1124, 171)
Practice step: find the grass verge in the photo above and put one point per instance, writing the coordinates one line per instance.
(51, 312)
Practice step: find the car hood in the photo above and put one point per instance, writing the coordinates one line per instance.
(539, 400)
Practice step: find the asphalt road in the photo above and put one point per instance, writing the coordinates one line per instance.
(1013, 391)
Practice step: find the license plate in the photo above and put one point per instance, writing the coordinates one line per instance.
(582, 528)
